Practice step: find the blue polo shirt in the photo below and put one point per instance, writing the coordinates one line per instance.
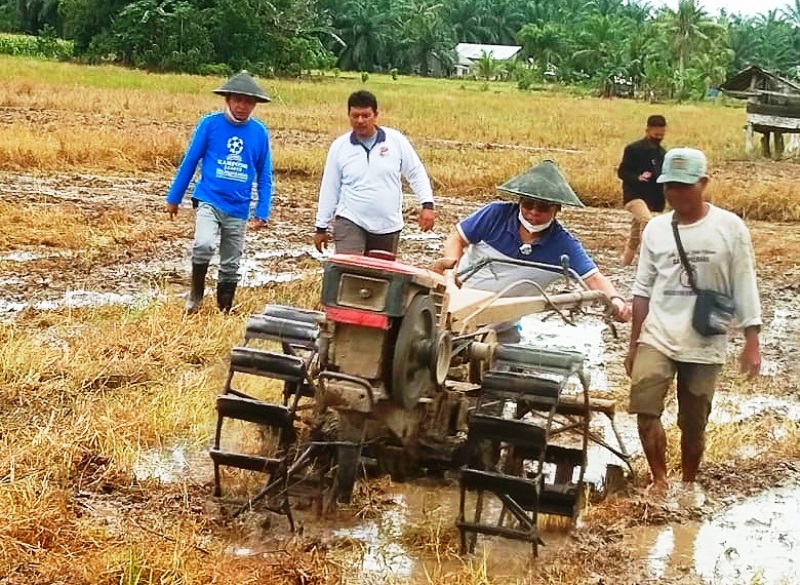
(493, 232)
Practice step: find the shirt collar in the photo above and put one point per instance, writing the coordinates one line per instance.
(380, 137)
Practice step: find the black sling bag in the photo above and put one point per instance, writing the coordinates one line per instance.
(713, 311)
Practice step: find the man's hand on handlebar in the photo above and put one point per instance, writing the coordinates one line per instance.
(443, 264)
(622, 309)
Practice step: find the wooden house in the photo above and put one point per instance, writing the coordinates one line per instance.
(773, 107)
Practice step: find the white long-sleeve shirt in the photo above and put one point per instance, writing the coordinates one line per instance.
(720, 250)
(364, 185)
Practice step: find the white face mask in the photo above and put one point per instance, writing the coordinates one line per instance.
(533, 229)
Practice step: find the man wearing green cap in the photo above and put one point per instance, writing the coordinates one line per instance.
(233, 150)
(525, 230)
(665, 339)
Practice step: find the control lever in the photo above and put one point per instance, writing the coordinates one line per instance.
(565, 266)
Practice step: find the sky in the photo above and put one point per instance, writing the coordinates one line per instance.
(746, 7)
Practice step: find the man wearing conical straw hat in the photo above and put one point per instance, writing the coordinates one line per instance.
(233, 150)
(526, 229)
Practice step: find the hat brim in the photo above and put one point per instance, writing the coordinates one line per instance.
(262, 99)
(677, 178)
(512, 192)
(542, 182)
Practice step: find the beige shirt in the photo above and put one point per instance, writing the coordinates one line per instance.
(720, 250)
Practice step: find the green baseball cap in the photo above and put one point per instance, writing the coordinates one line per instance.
(683, 165)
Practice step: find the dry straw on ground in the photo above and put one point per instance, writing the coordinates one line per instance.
(471, 140)
(86, 394)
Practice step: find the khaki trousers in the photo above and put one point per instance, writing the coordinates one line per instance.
(641, 215)
(652, 377)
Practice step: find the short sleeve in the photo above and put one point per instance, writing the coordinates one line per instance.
(481, 224)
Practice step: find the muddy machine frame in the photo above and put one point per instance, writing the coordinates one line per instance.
(402, 373)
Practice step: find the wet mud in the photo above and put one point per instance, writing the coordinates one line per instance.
(745, 533)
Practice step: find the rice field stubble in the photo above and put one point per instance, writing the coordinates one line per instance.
(87, 393)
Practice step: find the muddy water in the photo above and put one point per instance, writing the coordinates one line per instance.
(79, 299)
(173, 464)
(424, 512)
(585, 336)
(588, 336)
(412, 539)
(753, 541)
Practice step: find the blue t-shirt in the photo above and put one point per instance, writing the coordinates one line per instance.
(493, 232)
(233, 156)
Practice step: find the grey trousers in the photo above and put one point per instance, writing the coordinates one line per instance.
(211, 224)
(349, 238)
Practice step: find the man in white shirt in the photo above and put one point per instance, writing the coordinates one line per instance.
(361, 194)
(663, 340)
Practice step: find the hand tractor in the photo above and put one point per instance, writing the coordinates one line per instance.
(401, 373)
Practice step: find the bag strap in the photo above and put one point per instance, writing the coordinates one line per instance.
(682, 254)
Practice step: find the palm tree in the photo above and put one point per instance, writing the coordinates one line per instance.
(38, 14)
(426, 40)
(468, 18)
(365, 27)
(776, 48)
(791, 12)
(504, 19)
(546, 44)
(689, 29)
(486, 67)
(743, 40)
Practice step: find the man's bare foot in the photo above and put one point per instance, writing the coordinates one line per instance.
(691, 495)
(658, 489)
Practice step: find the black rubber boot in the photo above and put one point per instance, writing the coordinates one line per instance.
(198, 288)
(225, 293)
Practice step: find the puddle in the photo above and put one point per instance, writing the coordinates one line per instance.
(27, 256)
(253, 276)
(170, 465)
(660, 553)
(382, 554)
(425, 513)
(780, 339)
(11, 306)
(79, 299)
(88, 298)
(431, 243)
(733, 408)
(755, 541)
(586, 337)
(422, 237)
(274, 264)
(598, 457)
(778, 327)
(779, 334)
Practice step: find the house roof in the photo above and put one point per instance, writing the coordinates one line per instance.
(756, 81)
(470, 52)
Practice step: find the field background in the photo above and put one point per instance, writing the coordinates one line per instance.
(89, 393)
(472, 135)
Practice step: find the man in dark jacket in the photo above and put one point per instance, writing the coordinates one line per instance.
(639, 171)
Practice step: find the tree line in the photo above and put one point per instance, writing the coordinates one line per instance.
(612, 45)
